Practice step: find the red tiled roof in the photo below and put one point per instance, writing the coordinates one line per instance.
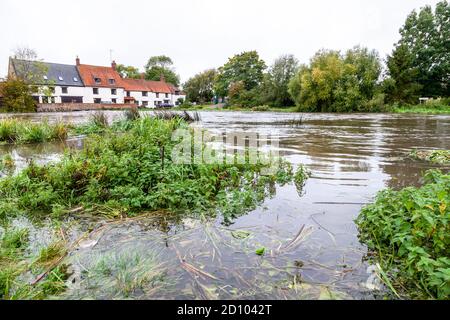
(88, 74)
(146, 85)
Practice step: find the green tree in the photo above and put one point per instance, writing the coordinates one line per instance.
(426, 34)
(129, 72)
(17, 96)
(336, 83)
(402, 84)
(161, 66)
(200, 88)
(274, 87)
(246, 67)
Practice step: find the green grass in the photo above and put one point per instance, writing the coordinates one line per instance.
(16, 131)
(409, 233)
(422, 108)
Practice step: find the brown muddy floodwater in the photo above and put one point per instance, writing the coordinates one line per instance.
(351, 157)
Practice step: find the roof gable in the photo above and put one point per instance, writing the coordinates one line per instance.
(89, 74)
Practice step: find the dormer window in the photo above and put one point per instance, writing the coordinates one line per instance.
(112, 81)
(98, 80)
(60, 78)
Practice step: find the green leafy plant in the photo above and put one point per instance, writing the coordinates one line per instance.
(409, 231)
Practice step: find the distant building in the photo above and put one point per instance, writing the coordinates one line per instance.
(151, 94)
(82, 83)
(59, 83)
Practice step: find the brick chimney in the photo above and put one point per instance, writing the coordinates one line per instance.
(114, 65)
(77, 61)
(162, 78)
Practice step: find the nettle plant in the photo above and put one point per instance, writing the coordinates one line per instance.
(409, 232)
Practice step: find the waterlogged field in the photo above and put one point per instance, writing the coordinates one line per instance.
(299, 242)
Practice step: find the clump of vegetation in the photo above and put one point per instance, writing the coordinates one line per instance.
(22, 131)
(409, 233)
(433, 156)
(129, 168)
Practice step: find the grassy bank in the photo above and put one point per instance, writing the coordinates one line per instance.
(408, 233)
(21, 131)
(421, 108)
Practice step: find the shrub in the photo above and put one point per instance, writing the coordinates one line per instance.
(409, 231)
(17, 96)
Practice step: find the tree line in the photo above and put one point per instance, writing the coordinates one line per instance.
(334, 81)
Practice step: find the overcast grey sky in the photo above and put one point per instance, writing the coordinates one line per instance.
(196, 34)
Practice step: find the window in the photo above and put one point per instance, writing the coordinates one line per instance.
(60, 78)
(75, 79)
(156, 103)
(64, 89)
(144, 93)
(157, 95)
(52, 89)
(128, 93)
(112, 81)
(113, 92)
(114, 100)
(97, 100)
(167, 95)
(98, 80)
(144, 103)
(166, 101)
(45, 78)
(95, 90)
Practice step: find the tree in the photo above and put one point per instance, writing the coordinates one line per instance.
(28, 68)
(402, 84)
(246, 67)
(336, 83)
(17, 96)
(200, 88)
(129, 72)
(274, 87)
(426, 34)
(161, 66)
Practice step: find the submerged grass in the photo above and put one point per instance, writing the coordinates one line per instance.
(16, 263)
(409, 233)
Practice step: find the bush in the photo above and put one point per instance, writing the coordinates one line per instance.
(408, 230)
(17, 96)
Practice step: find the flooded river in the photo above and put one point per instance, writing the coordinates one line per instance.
(351, 157)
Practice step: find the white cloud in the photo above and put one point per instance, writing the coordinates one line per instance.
(197, 34)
